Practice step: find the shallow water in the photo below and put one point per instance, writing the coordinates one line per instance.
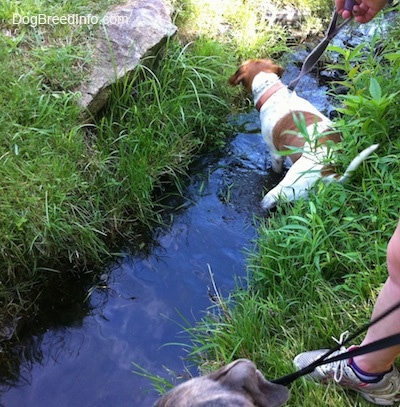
(142, 301)
(84, 356)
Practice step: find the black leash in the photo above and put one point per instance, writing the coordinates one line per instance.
(380, 344)
(317, 52)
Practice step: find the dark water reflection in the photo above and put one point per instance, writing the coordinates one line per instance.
(138, 306)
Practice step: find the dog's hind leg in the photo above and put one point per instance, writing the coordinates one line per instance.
(300, 177)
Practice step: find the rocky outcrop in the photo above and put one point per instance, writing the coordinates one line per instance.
(127, 33)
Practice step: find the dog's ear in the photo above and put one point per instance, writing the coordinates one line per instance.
(270, 66)
(243, 376)
(244, 75)
(238, 76)
(275, 68)
(280, 71)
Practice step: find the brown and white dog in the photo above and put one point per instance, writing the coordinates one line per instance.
(238, 384)
(282, 113)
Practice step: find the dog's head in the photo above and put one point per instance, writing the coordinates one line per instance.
(249, 69)
(238, 384)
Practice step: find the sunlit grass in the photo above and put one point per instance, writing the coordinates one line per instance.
(69, 191)
(162, 117)
(243, 26)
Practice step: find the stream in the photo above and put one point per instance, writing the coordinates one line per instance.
(84, 354)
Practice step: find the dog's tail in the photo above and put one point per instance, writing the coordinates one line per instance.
(355, 163)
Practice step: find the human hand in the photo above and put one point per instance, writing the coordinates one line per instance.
(363, 12)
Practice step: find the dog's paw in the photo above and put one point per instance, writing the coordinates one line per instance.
(268, 202)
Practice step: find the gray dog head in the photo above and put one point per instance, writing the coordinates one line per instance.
(238, 384)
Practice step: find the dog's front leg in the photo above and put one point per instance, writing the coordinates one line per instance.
(301, 176)
(272, 197)
(277, 162)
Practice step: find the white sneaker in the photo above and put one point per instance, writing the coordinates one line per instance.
(386, 392)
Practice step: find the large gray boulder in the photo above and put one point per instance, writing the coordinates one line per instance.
(128, 32)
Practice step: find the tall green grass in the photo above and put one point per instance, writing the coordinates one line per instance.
(154, 124)
(244, 26)
(71, 191)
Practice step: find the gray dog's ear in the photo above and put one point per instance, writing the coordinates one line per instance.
(243, 374)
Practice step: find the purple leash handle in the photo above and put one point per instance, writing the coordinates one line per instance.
(349, 4)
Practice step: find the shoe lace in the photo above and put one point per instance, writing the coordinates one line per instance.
(338, 367)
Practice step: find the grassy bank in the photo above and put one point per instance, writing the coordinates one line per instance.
(318, 264)
(69, 191)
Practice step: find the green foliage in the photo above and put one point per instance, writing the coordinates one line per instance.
(159, 383)
(162, 116)
(68, 190)
(241, 27)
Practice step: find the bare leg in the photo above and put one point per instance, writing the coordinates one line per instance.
(382, 361)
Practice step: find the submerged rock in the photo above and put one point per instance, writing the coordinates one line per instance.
(128, 32)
